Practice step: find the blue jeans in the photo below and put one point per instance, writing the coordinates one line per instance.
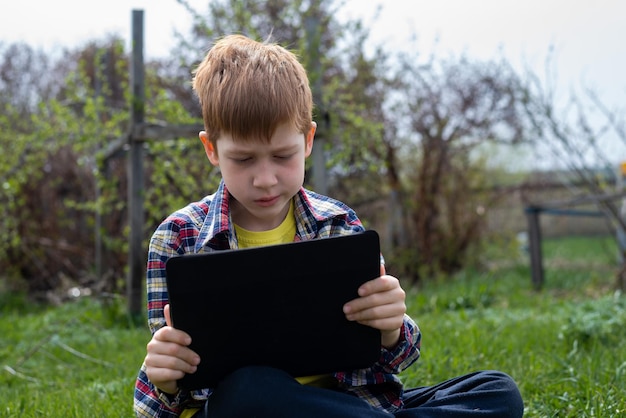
(266, 392)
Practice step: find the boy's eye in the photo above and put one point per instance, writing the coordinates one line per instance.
(283, 157)
(242, 159)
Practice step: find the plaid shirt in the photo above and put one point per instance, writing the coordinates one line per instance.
(206, 226)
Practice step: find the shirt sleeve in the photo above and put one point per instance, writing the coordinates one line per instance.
(149, 402)
(406, 352)
(165, 243)
(379, 384)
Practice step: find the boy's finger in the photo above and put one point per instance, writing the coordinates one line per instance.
(381, 284)
(382, 270)
(166, 312)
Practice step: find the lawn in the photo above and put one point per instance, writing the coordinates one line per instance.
(565, 345)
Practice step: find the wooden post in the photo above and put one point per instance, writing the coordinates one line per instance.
(534, 245)
(136, 254)
(620, 231)
(101, 61)
(98, 195)
(312, 22)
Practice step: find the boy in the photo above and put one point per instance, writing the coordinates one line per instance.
(257, 110)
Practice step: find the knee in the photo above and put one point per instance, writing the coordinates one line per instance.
(507, 388)
(498, 377)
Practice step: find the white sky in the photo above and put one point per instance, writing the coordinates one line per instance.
(589, 35)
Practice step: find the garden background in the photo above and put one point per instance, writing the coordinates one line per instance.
(423, 147)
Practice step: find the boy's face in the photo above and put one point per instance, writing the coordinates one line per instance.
(262, 178)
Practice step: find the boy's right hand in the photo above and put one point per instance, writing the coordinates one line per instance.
(169, 356)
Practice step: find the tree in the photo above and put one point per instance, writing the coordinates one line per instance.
(58, 118)
(452, 108)
(26, 77)
(574, 135)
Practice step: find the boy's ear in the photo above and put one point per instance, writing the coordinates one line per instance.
(209, 148)
(308, 140)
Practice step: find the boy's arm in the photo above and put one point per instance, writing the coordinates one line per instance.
(381, 305)
(149, 401)
(164, 244)
(407, 350)
(391, 361)
(379, 384)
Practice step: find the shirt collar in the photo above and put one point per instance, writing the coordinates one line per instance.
(218, 233)
(311, 209)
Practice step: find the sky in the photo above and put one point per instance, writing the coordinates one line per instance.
(588, 35)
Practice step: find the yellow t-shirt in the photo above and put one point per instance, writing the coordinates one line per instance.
(283, 233)
(188, 413)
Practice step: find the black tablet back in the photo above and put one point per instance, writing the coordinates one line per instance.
(278, 306)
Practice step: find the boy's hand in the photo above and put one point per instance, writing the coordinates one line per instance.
(168, 357)
(380, 305)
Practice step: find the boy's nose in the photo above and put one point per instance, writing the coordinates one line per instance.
(264, 176)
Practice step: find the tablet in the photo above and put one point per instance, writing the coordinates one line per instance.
(279, 306)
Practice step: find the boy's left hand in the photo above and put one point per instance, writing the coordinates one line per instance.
(380, 305)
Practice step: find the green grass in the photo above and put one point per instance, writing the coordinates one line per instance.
(76, 360)
(565, 345)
